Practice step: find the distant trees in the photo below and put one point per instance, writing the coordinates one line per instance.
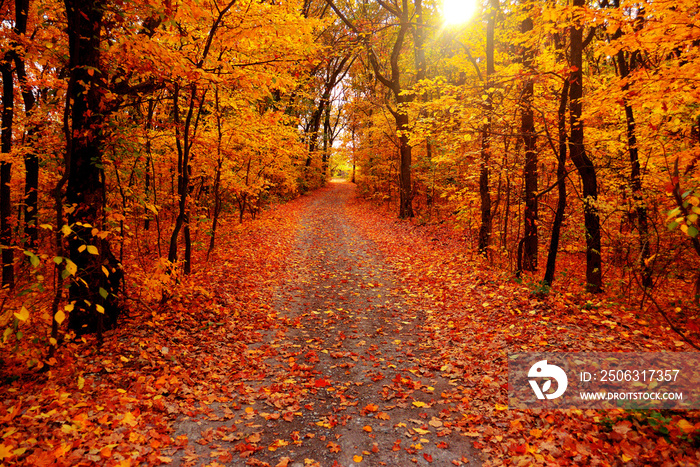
(490, 146)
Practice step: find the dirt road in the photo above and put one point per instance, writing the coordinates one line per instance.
(343, 380)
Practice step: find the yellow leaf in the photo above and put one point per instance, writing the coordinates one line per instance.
(5, 451)
(686, 426)
(501, 407)
(71, 267)
(367, 428)
(60, 316)
(129, 419)
(19, 451)
(626, 458)
(100, 308)
(81, 382)
(92, 249)
(357, 458)
(419, 403)
(22, 315)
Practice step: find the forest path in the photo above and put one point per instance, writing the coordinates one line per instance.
(344, 382)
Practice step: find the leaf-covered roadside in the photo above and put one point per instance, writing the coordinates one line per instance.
(478, 315)
(203, 355)
(115, 405)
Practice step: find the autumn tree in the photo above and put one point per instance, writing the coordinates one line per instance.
(392, 80)
(8, 89)
(584, 165)
(486, 137)
(97, 273)
(530, 239)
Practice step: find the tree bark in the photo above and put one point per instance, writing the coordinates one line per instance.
(96, 282)
(584, 165)
(485, 157)
(31, 158)
(561, 184)
(8, 271)
(635, 181)
(530, 238)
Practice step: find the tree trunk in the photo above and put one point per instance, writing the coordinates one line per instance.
(405, 191)
(31, 158)
(484, 192)
(8, 271)
(149, 162)
(96, 282)
(561, 183)
(327, 137)
(217, 177)
(530, 238)
(635, 181)
(584, 166)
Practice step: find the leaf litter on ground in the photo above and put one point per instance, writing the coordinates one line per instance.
(326, 333)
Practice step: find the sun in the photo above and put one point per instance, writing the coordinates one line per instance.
(458, 11)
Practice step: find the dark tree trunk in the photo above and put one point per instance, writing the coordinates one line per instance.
(183, 174)
(149, 162)
(561, 184)
(327, 137)
(94, 287)
(484, 192)
(31, 158)
(635, 181)
(8, 271)
(530, 238)
(584, 166)
(405, 192)
(352, 180)
(217, 177)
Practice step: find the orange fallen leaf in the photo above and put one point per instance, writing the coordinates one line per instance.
(333, 447)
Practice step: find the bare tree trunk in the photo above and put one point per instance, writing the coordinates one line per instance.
(584, 166)
(149, 162)
(484, 192)
(8, 271)
(635, 181)
(217, 177)
(98, 276)
(530, 238)
(561, 183)
(31, 158)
